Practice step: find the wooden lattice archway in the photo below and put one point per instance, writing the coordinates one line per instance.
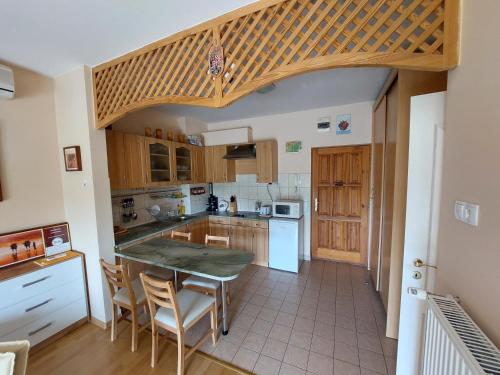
(274, 39)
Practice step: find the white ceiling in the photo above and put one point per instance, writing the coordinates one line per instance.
(55, 36)
(325, 88)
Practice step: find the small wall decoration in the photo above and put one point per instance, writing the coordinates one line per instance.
(343, 124)
(21, 246)
(56, 239)
(72, 158)
(216, 60)
(294, 146)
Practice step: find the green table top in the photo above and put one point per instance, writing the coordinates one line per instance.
(195, 259)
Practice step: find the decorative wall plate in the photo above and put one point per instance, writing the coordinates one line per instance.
(216, 60)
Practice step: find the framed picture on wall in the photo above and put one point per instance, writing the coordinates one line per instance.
(72, 158)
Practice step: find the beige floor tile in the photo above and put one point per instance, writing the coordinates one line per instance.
(261, 327)
(245, 359)
(254, 342)
(372, 361)
(273, 303)
(267, 366)
(225, 350)
(235, 335)
(304, 325)
(243, 321)
(346, 353)
(268, 314)
(345, 336)
(258, 300)
(281, 333)
(307, 312)
(344, 368)
(287, 369)
(285, 319)
(325, 317)
(347, 322)
(320, 364)
(274, 349)
(369, 342)
(297, 357)
(324, 329)
(289, 307)
(322, 345)
(300, 339)
(252, 309)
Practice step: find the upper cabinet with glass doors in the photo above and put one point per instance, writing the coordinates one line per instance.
(183, 157)
(159, 162)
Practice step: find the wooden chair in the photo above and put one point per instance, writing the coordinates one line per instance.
(208, 286)
(180, 235)
(125, 294)
(176, 312)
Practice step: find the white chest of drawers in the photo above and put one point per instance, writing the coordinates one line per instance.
(41, 302)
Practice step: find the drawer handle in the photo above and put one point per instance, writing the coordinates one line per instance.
(37, 306)
(40, 329)
(36, 281)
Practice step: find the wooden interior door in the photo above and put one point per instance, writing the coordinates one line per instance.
(340, 178)
(379, 120)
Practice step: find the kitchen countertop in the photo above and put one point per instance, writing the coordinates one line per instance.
(200, 260)
(155, 228)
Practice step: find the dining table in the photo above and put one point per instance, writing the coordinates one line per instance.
(221, 264)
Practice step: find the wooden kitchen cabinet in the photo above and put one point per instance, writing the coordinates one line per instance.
(267, 161)
(199, 228)
(158, 162)
(199, 169)
(241, 234)
(217, 168)
(182, 163)
(260, 246)
(219, 226)
(126, 160)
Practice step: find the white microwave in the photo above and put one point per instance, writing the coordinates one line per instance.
(292, 209)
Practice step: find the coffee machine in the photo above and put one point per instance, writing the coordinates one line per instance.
(213, 201)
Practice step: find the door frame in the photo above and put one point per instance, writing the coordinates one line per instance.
(313, 238)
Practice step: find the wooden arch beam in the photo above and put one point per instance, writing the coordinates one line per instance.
(274, 39)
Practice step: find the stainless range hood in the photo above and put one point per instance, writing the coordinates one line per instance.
(238, 152)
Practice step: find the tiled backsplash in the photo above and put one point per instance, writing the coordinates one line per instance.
(146, 199)
(248, 192)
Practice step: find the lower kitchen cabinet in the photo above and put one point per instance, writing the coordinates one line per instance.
(199, 229)
(260, 246)
(244, 234)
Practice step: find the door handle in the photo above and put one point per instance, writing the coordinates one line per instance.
(419, 263)
(315, 204)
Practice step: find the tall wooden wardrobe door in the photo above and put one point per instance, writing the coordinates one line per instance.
(378, 134)
(340, 178)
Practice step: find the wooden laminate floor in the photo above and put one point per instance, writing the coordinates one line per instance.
(88, 350)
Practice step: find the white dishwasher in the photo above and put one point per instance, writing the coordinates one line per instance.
(286, 243)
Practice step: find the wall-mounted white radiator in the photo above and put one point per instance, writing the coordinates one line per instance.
(454, 344)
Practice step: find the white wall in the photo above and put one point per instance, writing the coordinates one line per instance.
(29, 152)
(136, 122)
(469, 257)
(294, 177)
(302, 126)
(87, 195)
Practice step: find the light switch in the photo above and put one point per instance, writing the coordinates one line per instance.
(467, 212)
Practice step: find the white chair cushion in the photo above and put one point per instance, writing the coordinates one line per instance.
(202, 282)
(122, 294)
(7, 361)
(191, 306)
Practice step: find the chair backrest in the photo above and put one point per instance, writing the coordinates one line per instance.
(117, 278)
(182, 235)
(21, 350)
(160, 293)
(209, 238)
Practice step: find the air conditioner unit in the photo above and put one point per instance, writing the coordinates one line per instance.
(7, 90)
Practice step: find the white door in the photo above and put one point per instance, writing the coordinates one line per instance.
(422, 211)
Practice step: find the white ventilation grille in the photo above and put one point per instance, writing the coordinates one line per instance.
(454, 344)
